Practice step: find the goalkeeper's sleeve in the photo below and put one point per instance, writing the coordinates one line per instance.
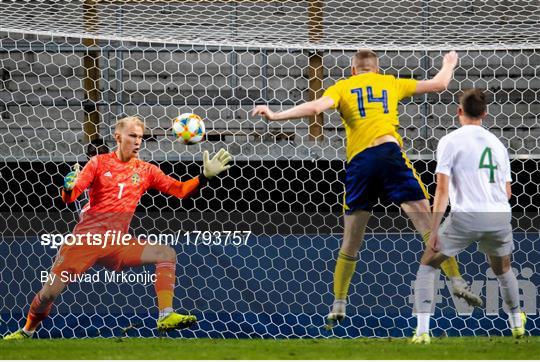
(211, 168)
(161, 182)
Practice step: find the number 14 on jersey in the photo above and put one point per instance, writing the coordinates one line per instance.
(370, 99)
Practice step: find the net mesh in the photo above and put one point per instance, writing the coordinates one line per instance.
(61, 93)
(311, 24)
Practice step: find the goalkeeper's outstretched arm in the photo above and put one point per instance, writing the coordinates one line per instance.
(303, 110)
(211, 168)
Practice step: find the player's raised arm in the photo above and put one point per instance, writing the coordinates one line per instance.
(303, 110)
(77, 181)
(211, 168)
(440, 82)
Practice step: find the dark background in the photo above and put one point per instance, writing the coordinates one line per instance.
(265, 197)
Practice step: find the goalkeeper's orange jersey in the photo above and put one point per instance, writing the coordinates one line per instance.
(115, 188)
(368, 104)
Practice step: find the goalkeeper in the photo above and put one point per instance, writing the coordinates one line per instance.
(377, 168)
(116, 182)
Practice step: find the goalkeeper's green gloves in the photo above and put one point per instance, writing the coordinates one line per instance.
(71, 178)
(216, 165)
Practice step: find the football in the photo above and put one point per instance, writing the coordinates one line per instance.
(189, 128)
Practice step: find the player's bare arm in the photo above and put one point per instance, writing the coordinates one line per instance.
(303, 110)
(440, 82)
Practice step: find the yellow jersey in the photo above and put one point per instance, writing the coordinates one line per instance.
(368, 104)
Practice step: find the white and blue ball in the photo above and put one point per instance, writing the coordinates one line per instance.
(189, 128)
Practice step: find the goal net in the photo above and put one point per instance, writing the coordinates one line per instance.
(257, 248)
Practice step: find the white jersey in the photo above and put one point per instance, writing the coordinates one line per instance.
(478, 166)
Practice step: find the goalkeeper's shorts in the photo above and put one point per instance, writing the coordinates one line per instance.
(382, 172)
(77, 259)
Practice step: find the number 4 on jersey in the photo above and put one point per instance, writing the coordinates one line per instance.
(489, 165)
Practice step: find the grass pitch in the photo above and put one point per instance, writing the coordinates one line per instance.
(363, 348)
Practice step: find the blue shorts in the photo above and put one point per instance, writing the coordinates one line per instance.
(382, 172)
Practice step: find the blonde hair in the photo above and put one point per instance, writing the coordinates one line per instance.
(122, 123)
(365, 60)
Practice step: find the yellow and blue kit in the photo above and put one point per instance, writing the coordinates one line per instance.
(368, 104)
